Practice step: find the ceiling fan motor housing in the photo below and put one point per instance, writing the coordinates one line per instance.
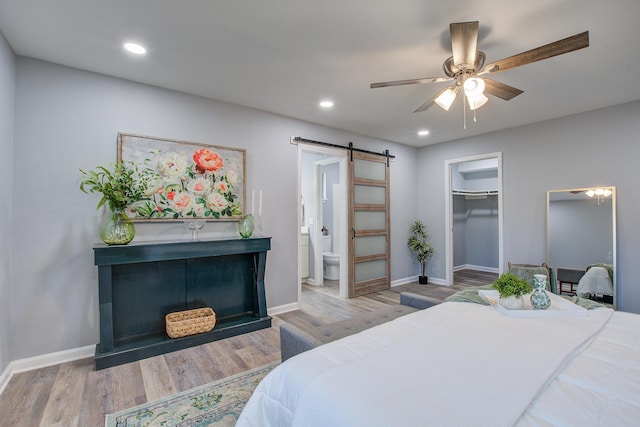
(454, 70)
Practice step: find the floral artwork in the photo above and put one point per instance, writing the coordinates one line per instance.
(185, 180)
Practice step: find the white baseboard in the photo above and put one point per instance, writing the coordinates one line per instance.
(404, 281)
(414, 279)
(44, 360)
(5, 377)
(476, 267)
(437, 281)
(273, 311)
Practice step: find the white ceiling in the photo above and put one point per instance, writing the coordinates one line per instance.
(284, 56)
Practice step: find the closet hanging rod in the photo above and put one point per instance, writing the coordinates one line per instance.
(474, 193)
(349, 147)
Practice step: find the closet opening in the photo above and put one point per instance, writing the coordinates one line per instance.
(473, 192)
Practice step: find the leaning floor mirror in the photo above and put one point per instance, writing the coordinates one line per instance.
(581, 242)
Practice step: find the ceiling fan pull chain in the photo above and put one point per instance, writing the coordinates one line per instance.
(464, 110)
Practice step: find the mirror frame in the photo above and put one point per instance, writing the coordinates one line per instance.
(613, 231)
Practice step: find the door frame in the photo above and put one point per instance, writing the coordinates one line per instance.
(449, 211)
(316, 229)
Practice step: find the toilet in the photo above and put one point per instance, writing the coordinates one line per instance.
(330, 261)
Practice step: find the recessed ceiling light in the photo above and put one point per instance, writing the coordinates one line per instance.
(423, 132)
(326, 103)
(135, 48)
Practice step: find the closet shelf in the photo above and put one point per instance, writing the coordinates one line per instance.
(474, 193)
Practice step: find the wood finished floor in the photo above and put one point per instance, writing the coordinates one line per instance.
(74, 394)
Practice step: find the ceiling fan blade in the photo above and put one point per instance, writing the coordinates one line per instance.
(410, 82)
(500, 90)
(559, 47)
(431, 100)
(464, 40)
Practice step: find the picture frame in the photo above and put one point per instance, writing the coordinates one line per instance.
(185, 180)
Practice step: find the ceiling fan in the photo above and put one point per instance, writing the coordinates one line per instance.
(467, 65)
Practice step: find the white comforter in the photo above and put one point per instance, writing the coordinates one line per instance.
(458, 364)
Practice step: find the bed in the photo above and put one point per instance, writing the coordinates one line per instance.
(462, 364)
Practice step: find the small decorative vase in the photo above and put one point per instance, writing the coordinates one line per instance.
(539, 298)
(117, 228)
(245, 226)
(512, 302)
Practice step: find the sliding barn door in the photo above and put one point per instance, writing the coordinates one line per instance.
(369, 224)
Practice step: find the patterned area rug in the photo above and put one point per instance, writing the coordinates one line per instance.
(216, 404)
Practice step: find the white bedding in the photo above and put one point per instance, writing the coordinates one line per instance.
(460, 364)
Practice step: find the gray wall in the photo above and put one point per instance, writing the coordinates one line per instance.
(7, 112)
(67, 119)
(596, 148)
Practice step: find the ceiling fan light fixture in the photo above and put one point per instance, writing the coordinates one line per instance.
(477, 101)
(473, 87)
(446, 98)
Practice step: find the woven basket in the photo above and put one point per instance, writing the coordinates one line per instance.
(190, 322)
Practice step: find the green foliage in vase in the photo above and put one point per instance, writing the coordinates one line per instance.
(419, 244)
(121, 186)
(508, 284)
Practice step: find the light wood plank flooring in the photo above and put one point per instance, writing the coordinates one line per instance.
(74, 394)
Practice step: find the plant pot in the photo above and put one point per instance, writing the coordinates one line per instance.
(423, 280)
(117, 228)
(512, 302)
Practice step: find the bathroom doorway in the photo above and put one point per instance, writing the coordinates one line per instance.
(322, 228)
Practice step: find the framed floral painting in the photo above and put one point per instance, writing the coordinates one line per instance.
(185, 180)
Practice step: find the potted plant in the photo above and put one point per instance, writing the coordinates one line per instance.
(511, 289)
(121, 186)
(418, 243)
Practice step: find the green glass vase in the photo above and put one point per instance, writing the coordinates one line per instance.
(245, 226)
(117, 228)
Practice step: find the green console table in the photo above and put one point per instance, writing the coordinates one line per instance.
(142, 282)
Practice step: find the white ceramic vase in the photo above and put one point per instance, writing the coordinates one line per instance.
(512, 302)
